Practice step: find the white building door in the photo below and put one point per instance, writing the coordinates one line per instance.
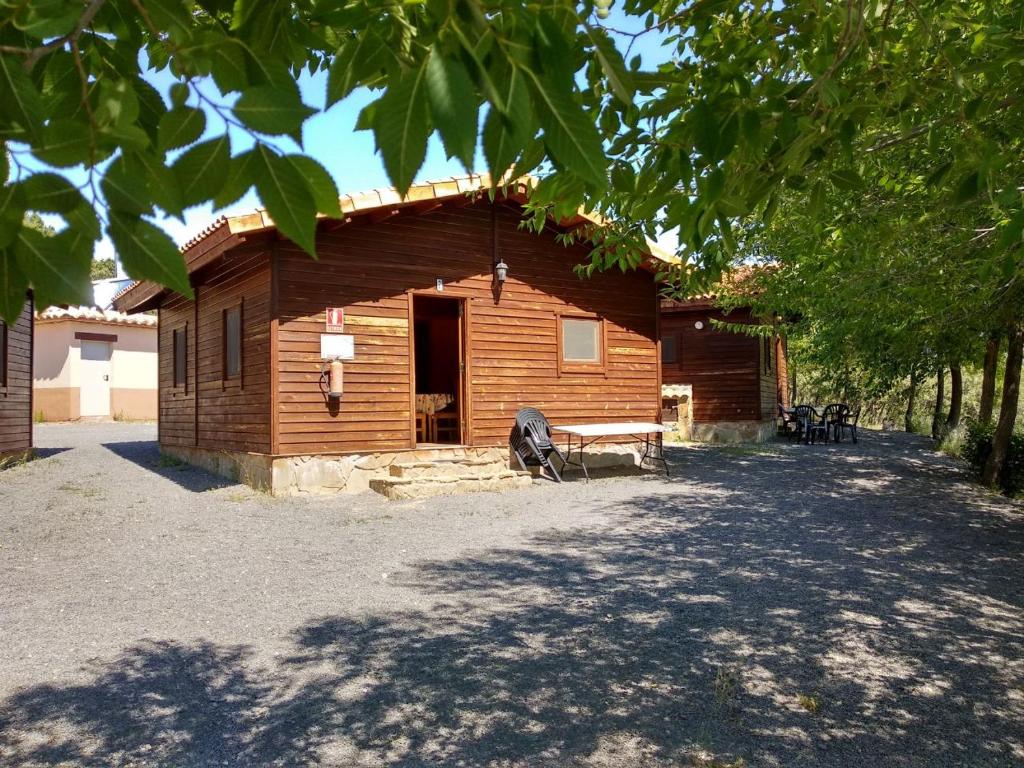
(94, 378)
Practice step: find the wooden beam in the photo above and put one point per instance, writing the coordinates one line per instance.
(336, 224)
(384, 214)
(425, 207)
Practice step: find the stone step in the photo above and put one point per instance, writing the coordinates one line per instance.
(395, 488)
(447, 468)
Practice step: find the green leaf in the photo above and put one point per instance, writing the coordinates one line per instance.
(968, 187)
(5, 164)
(570, 135)
(179, 95)
(321, 185)
(453, 106)
(500, 146)
(125, 190)
(200, 171)
(401, 127)
(358, 58)
(51, 192)
(273, 110)
(147, 253)
(161, 183)
(237, 182)
(180, 127)
(705, 130)
(116, 104)
(935, 177)
(750, 127)
(65, 143)
(228, 67)
(57, 270)
(12, 212)
(48, 19)
(287, 197)
(612, 64)
(84, 220)
(13, 285)
(846, 178)
(21, 100)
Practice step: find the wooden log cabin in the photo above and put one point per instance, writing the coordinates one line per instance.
(16, 387)
(442, 353)
(737, 380)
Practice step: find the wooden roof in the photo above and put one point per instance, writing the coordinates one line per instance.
(229, 231)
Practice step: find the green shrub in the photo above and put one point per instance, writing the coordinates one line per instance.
(977, 445)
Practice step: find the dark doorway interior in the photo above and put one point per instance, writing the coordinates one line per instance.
(438, 368)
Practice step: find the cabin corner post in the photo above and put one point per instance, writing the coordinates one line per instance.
(412, 368)
(194, 360)
(657, 353)
(274, 352)
(31, 368)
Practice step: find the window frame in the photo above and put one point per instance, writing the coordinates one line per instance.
(227, 377)
(183, 345)
(676, 359)
(598, 366)
(4, 355)
(766, 353)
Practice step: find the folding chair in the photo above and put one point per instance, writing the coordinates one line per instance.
(531, 443)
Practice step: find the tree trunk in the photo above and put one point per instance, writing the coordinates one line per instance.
(1008, 408)
(908, 417)
(940, 396)
(988, 379)
(956, 396)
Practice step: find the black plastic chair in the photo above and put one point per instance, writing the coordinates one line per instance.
(848, 423)
(531, 442)
(832, 415)
(811, 423)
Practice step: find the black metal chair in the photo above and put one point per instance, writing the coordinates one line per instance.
(531, 442)
(848, 422)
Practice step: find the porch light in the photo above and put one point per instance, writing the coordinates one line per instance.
(501, 271)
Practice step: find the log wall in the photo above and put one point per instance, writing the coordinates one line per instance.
(16, 395)
(369, 267)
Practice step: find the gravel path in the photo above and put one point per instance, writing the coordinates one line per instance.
(794, 606)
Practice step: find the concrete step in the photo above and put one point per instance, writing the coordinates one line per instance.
(448, 468)
(395, 488)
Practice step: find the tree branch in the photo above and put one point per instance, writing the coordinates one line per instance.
(33, 55)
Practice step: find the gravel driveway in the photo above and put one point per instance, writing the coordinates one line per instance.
(794, 606)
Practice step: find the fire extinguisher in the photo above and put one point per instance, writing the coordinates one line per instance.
(331, 380)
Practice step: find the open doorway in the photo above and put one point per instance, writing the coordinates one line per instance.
(438, 370)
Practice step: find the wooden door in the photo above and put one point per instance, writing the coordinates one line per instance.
(94, 379)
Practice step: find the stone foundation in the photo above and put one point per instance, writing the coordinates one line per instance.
(732, 432)
(353, 473)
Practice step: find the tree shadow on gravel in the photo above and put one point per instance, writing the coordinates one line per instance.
(863, 615)
(146, 454)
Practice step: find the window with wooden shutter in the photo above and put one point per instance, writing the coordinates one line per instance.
(669, 349)
(3, 354)
(233, 342)
(180, 344)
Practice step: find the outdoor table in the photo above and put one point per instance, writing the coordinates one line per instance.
(588, 434)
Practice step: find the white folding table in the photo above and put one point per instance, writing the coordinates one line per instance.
(644, 431)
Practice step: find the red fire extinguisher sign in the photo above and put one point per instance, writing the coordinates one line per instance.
(335, 320)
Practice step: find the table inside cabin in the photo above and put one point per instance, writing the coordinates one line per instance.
(647, 432)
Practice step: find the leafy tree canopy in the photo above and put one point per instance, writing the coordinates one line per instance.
(102, 269)
(757, 100)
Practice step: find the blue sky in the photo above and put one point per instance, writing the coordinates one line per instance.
(331, 138)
